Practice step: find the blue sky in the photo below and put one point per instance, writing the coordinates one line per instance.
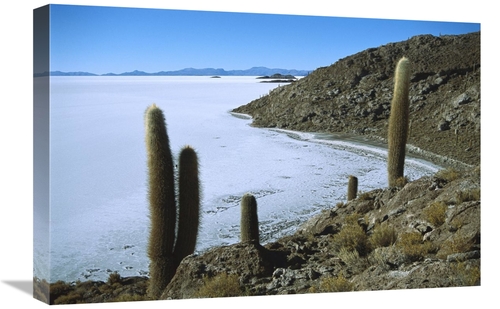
(116, 40)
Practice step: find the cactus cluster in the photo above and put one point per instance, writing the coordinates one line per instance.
(170, 240)
(398, 123)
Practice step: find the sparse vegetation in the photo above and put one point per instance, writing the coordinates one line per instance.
(114, 277)
(115, 289)
(448, 174)
(364, 196)
(348, 256)
(468, 195)
(221, 285)
(333, 284)
(384, 235)
(435, 213)
(413, 246)
(72, 298)
(351, 236)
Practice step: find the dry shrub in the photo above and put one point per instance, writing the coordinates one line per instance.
(383, 235)
(435, 213)
(71, 298)
(349, 257)
(448, 174)
(114, 277)
(351, 236)
(413, 247)
(365, 196)
(59, 288)
(333, 284)
(469, 195)
(352, 259)
(221, 285)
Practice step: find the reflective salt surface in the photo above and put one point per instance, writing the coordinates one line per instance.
(99, 212)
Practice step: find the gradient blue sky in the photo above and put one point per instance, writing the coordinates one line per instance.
(116, 40)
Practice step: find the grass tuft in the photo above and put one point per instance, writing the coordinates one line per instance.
(413, 247)
(351, 236)
(435, 213)
(448, 174)
(469, 195)
(221, 285)
(333, 284)
(384, 235)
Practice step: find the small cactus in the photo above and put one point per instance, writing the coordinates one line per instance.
(249, 220)
(352, 188)
(398, 122)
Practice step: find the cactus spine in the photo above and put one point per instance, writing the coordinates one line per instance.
(164, 259)
(352, 188)
(398, 122)
(249, 221)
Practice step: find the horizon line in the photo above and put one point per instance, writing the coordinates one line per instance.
(215, 70)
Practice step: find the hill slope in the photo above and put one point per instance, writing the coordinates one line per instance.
(353, 95)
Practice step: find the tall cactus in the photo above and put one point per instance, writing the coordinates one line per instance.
(189, 204)
(352, 188)
(249, 224)
(398, 122)
(161, 196)
(164, 259)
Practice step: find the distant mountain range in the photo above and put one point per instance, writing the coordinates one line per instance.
(255, 71)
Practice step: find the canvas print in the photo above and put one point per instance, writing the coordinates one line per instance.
(191, 154)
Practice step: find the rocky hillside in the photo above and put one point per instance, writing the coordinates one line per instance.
(353, 96)
(423, 235)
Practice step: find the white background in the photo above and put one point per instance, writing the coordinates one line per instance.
(16, 151)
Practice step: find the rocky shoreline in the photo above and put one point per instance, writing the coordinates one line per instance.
(353, 96)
